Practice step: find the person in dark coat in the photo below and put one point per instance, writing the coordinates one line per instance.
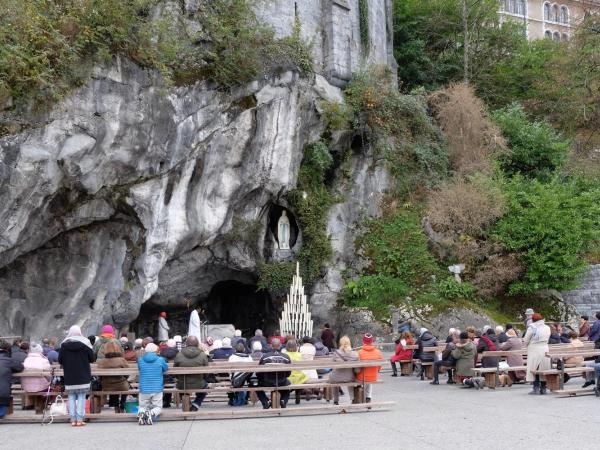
(447, 360)
(258, 336)
(425, 340)
(488, 343)
(223, 352)
(192, 356)
(169, 353)
(595, 330)
(113, 359)
(75, 357)
(501, 335)
(7, 367)
(327, 337)
(270, 379)
(554, 335)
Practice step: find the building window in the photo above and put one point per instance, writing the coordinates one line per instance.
(503, 5)
(548, 34)
(556, 36)
(521, 7)
(565, 37)
(555, 14)
(564, 15)
(547, 11)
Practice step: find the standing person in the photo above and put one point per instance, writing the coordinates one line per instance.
(584, 328)
(151, 368)
(528, 318)
(36, 361)
(272, 379)
(194, 325)
(163, 328)
(536, 341)
(7, 367)
(369, 375)
(343, 354)
(75, 357)
(192, 356)
(107, 335)
(402, 354)
(327, 337)
(113, 359)
(595, 330)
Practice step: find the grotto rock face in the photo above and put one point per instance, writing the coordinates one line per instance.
(131, 192)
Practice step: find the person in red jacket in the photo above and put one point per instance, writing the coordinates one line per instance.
(369, 374)
(402, 354)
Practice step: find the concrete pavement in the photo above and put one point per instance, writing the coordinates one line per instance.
(425, 417)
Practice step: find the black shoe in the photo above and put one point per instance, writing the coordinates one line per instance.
(587, 384)
(450, 382)
(282, 404)
(394, 374)
(267, 406)
(543, 390)
(436, 382)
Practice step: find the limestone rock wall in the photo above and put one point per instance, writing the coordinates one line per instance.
(586, 298)
(130, 192)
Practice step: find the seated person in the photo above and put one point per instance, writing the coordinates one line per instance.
(36, 361)
(192, 356)
(239, 379)
(402, 354)
(464, 355)
(446, 361)
(488, 343)
(514, 343)
(425, 340)
(271, 379)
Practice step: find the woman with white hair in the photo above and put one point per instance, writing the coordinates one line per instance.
(36, 360)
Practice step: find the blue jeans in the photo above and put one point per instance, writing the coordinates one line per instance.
(77, 405)
(3, 411)
(239, 399)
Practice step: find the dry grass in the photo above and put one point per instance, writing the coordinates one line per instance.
(465, 208)
(492, 277)
(472, 138)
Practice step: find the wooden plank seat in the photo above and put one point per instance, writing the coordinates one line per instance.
(554, 377)
(575, 392)
(228, 413)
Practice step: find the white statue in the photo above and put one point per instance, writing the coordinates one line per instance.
(283, 231)
(457, 269)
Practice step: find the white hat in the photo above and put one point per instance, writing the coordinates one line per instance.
(138, 342)
(177, 338)
(123, 339)
(226, 342)
(151, 348)
(237, 333)
(422, 330)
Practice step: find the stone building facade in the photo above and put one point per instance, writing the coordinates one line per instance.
(586, 298)
(552, 19)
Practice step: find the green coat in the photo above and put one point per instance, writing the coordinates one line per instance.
(191, 357)
(465, 359)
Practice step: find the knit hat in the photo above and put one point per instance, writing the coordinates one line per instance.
(226, 342)
(367, 339)
(124, 339)
(177, 338)
(107, 329)
(171, 343)
(151, 348)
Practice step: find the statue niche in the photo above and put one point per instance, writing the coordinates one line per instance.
(282, 229)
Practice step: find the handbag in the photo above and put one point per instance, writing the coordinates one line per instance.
(57, 408)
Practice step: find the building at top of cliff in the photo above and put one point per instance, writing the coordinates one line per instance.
(548, 19)
(345, 34)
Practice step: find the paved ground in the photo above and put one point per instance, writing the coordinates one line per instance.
(426, 417)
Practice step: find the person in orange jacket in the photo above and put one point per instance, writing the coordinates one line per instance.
(369, 374)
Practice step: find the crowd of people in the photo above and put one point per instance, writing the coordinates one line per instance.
(464, 350)
(76, 353)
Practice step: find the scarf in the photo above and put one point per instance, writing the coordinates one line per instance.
(75, 335)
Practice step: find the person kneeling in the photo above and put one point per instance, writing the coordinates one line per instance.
(151, 368)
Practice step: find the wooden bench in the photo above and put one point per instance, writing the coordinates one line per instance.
(226, 367)
(556, 380)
